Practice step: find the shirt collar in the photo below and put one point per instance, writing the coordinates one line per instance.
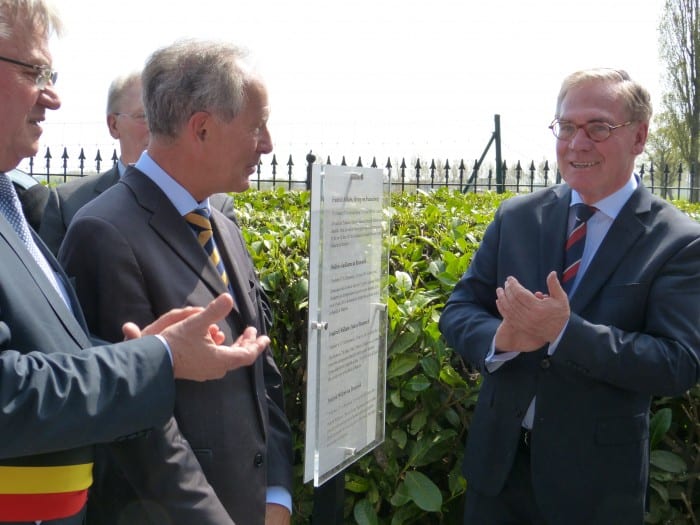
(612, 204)
(174, 191)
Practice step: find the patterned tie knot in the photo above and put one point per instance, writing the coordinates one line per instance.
(584, 211)
(198, 220)
(201, 225)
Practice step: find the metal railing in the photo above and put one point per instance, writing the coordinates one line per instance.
(401, 173)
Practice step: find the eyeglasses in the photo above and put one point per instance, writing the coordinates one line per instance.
(44, 74)
(596, 131)
(136, 116)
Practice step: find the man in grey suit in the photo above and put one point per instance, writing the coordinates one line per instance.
(59, 393)
(207, 113)
(572, 352)
(126, 121)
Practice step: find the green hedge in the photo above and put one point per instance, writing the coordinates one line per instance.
(414, 476)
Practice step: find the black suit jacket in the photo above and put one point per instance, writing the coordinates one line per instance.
(148, 262)
(633, 334)
(54, 395)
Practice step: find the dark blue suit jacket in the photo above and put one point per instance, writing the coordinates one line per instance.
(633, 333)
(54, 395)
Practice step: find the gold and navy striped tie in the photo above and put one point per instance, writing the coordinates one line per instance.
(198, 220)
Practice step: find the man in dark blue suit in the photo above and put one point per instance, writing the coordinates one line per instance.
(560, 434)
(59, 394)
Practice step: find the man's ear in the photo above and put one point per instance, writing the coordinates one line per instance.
(640, 138)
(198, 125)
(112, 125)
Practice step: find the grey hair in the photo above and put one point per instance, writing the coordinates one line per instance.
(190, 76)
(39, 15)
(634, 95)
(119, 85)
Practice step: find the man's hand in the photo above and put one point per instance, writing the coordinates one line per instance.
(131, 331)
(534, 316)
(276, 515)
(510, 339)
(196, 342)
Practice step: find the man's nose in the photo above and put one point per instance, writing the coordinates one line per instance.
(49, 98)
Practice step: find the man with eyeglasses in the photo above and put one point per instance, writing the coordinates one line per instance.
(582, 302)
(127, 123)
(59, 394)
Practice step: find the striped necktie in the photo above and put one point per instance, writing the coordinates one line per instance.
(11, 208)
(198, 220)
(575, 244)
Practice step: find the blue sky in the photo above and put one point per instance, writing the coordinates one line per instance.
(369, 77)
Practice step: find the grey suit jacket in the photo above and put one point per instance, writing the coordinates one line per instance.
(65, 200)
(149, 261)
(55, 396)
(633, 334)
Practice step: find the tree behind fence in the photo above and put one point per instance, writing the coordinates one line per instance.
(401, 175)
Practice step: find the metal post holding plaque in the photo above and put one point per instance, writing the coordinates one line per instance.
(346, 381)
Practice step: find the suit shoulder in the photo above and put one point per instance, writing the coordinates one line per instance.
(530, 201)
(675, 219)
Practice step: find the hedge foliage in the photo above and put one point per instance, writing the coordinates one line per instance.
(414, 476)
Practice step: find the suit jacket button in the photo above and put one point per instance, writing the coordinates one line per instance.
(545, 363)
(258, 461)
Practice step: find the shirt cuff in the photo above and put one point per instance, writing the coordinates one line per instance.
(279, 496)
(553, 345)
(167, 347)
(494, 361)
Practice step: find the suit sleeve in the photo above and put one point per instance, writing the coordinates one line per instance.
(470, 317)
(56, 401)
(52, 228)
(160, 466)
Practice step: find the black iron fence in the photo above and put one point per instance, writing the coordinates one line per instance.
(401, 174)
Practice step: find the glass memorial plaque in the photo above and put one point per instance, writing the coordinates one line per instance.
(347, 319)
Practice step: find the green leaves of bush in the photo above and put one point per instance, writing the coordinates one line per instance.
(414, 477)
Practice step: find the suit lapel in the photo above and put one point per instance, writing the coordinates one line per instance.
(234, 259)
(173, 229)
(64, 315)
(623, 234)
(555, 215)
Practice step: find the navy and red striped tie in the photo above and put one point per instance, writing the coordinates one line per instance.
(575, 244)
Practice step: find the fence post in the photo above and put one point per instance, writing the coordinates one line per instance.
(48, 165)
(310, 159)
(500, 173)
